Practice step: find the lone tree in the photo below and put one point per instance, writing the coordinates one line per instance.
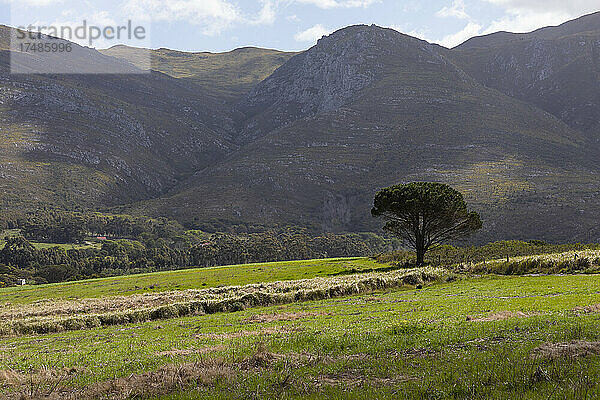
(425, 214)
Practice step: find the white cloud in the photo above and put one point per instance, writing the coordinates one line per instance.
(526, 22)
(326, 4)
(66, 29)
(419, 34)
(213, 16)
(457, 10)
(571, 7)
(519, 16)
(454, 39)
(528, 15)
(312, 34)
(36, 3)
(267, 14)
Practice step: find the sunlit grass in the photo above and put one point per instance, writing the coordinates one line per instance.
(429, 343)
(198, 278)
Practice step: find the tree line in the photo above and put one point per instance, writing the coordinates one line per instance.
(152, 245)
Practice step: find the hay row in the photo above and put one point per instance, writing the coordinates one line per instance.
(232, 299)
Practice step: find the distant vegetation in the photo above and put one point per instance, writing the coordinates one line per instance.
(49, 247)
(120, 244)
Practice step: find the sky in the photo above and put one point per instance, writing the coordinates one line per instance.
(223, 25)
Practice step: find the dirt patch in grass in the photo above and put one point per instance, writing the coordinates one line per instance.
(420, 352)
(189, 352)
(292, 316)
(577, 348)
(41, 384)
(241, 334)
(594, 308)
(11, 378)
(58, 385)
(167, 379)
(148, 385)
(357, 379)
(262, 358)
(500, 316)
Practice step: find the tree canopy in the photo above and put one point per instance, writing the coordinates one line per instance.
(425, 214)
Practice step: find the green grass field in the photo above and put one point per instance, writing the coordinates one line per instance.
(466, 337)
(187, 279)
(67, 246)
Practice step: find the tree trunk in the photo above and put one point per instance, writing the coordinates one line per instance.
(420, 258)
(420, 254)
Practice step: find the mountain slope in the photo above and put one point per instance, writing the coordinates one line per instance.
(510, 120)
(368, 107)
(227, 75)
(96, 140)
(555, 68)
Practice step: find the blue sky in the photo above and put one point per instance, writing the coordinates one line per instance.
(221, 25)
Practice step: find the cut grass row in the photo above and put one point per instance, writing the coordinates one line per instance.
(23, 320)
(199, 278)
(61, 315)
(584, 261)
(441, 342)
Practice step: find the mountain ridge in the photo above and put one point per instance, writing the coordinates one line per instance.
(557, 69)
(583, 24)
(317, 157)
(307, 138)
(226, 75)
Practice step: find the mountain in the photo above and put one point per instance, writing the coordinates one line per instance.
(368, 107)
(97, 140)
(308, 138)
(555, 68)
(227, 75)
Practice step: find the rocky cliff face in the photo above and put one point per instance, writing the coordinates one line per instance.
(325, 132)
(507, 119)
(557, 69)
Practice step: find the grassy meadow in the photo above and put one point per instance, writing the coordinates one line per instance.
(200, 278)
(333, 332)
(67, 246)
